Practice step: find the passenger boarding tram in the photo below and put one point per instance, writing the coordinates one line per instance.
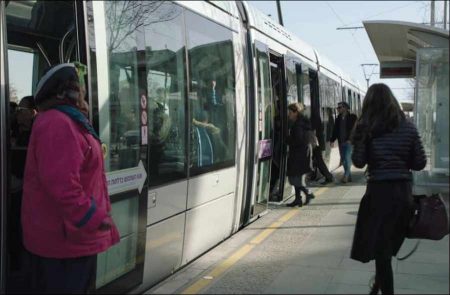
(190, 101)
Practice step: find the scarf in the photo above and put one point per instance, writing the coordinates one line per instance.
(79, 118)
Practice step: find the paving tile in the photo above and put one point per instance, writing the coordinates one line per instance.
(427, 284)
(353, 277)
(426, 257)
(300, 280)
(412, 291)
(432, 269)
(169, 287)
(335, 288)
(226, 291)
(351, 264)
(248, 278)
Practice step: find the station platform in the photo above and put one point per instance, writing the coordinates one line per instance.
(306, 251)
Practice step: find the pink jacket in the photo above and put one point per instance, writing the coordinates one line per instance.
(65, 197)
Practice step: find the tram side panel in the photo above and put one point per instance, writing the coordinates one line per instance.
(188, 216)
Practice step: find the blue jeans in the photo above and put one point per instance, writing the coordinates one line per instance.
(345, 150)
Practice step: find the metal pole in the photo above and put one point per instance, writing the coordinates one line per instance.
(445, 14)
(432, 13)
(280, 16)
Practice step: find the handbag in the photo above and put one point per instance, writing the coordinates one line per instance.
(429, 220)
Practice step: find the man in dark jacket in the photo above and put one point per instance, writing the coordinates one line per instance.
(343, 126)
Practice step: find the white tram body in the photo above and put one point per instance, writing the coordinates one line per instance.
(214, 79)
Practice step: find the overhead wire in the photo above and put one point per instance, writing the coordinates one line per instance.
(383, 12)
(353, 36)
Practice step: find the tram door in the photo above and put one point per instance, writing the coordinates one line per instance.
(3, 156)
(35, 35)
(263, 130)
(41, 34)
(278, 183)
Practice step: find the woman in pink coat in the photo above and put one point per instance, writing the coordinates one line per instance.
(66, 211)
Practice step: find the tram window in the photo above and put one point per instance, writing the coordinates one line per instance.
(123, 90)
(349, 98)
(20, 65)
(211, 94)
(292, 82)
(303, 85)
(164, 37)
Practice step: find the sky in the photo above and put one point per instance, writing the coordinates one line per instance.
(315, 22)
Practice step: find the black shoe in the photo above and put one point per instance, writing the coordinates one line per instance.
(326, 181)
(295, 203)
(374, 287)
(308, 198)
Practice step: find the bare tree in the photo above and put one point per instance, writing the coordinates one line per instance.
(127, 17)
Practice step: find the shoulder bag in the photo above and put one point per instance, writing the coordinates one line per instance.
(429, 220)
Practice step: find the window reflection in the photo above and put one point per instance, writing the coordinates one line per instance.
(123, 84)
(212, 94)
(165, 40)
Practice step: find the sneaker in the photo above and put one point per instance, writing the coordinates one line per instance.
(344, 179)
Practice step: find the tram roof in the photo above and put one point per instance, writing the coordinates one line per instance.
(269, 27)
(396, 42)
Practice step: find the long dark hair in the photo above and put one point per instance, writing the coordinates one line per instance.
(381, 113)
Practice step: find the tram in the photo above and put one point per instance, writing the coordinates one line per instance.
(190, 101)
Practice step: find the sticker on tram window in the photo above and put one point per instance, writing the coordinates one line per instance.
(126, 179)
(143, 102)
(265, 148)
(144, 135)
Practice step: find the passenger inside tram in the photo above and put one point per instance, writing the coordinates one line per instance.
(209, 147)
(24, 117)
(160, 128)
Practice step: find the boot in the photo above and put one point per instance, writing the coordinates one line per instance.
(308, 198)
(327, 181)
(296, 202)
(374, 289)
(374, 286)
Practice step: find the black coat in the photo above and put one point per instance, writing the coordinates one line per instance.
(385, 209)
(299, 159)
(390, 155)
(350, 122)
(382, 221)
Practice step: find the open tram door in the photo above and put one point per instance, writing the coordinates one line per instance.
(34, 36)
(279, 187)
(262, 131)
(3, 147)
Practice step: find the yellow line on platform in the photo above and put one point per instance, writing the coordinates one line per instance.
(201, 283)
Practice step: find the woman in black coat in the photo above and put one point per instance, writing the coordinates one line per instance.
(299, 161)
(391, 147)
